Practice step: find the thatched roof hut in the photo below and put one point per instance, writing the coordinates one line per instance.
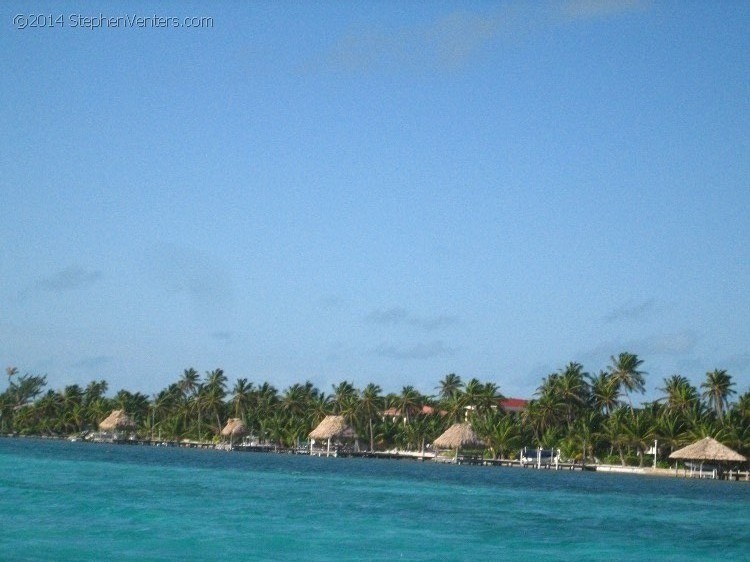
(457, 436)
(330, 428)
(118, 419)
(235, 426)
(707, 449)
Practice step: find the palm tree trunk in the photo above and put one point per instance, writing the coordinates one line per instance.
(632, 411)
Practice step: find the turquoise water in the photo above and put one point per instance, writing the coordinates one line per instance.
(82, 501)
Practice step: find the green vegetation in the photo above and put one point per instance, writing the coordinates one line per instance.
(588, 416)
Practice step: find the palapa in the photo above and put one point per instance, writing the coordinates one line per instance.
(235, 426)
(118, 419)
(330, 427)
(707, 449)
(457, 436)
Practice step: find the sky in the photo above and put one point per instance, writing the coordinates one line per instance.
(374, 191)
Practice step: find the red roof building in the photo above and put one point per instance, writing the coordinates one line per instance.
(514, 405)
(395, 413)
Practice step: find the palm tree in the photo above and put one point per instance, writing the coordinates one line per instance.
(408, 402)
(26, 388)
(639, 433)
(697, 414)
(450, 386)
(738, 431)
(72, 401)
(121, 399)
(473, 393)
(417, 431)
(182, 409)
(265, 398)
(49, 410)
(708, 426)
(488, 399)
(298, 404)
(680, 395)
(97, 410)
(215, 390)
(294, 429)
(604, 392)
(165, 402)
(743, 405)
(551, 437)
(136, 404)
(670, 429)
(501, 432)
(343, 394)
(241, 398)
(561, 396)
(207, 400)
(274, 427)
(189, 382)
(626, 376)
(217, 380)
(613, 431)
(320, 407)
(94, 391)
(370, 406)
(544, 414)
(455, 407)
(573, 389)
(11, 372)
(718, 387)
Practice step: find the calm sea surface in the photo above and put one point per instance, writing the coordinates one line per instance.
(81, 501)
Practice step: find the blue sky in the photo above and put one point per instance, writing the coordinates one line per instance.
(376, 191)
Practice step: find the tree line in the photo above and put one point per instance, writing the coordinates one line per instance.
(589, 416)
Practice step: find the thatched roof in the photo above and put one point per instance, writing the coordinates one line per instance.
(330, 427)
(456, 436)
(235, 426)
(707, 449)
(118, 419)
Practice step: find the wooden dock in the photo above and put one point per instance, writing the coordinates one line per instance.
(465, 459)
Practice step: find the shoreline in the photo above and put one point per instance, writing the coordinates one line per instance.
(396, 455)
(682, 473)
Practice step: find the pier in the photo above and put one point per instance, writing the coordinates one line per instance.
(541, 463)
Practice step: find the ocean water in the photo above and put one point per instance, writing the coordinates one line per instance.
(81, 501)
